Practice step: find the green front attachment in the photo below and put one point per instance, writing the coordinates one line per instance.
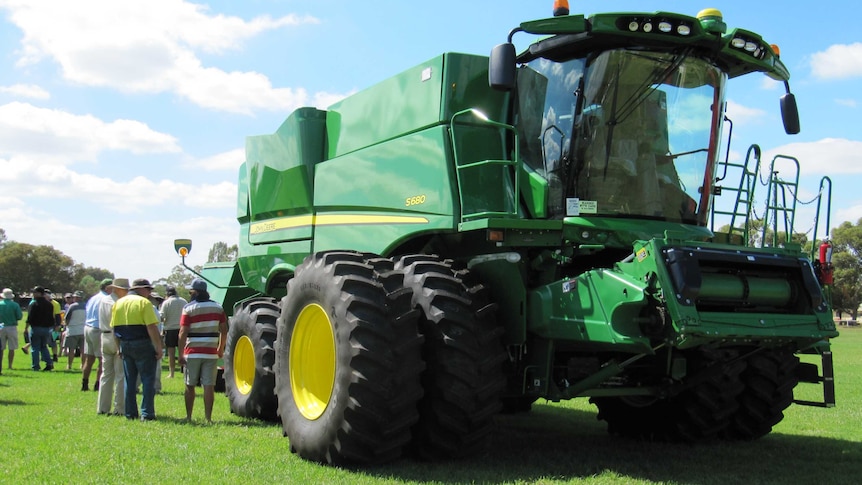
(225, 284)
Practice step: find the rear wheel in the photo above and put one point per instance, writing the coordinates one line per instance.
(463, 379)
(700, 412)
(348, 360)
(769, 381)
(249, 360)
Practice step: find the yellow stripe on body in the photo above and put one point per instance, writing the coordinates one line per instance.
(331, 220)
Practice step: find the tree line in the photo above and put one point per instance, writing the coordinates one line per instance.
(23, 266)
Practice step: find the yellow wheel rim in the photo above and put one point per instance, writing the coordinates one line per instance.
(243, 365)
(312, 361)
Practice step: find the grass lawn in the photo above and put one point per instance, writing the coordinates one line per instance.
(51, 434)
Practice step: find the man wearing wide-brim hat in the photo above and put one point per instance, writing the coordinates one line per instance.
(135, 325)
(10, 314)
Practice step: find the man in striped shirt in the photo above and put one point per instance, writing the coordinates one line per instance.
(203, 333)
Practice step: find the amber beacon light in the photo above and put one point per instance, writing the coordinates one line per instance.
(561, 7)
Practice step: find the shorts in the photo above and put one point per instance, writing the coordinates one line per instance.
(172, 338)
(74, 342)
(203, 371)
(9, 338)
(93, 341)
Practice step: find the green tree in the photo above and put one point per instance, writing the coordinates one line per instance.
(179, 278)
(2, 237)
(221, 252)
(847, 263)
(24, 266)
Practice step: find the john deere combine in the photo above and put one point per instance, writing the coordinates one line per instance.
(477, 233)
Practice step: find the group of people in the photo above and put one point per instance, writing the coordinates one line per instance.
(46, 315)
(119, 329)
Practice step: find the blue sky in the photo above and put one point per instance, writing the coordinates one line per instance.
(122, 124)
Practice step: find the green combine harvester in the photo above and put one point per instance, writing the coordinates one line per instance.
(478, 233)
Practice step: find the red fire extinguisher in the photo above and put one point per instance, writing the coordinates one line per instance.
(826, 262)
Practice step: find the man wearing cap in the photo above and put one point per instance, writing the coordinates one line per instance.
(93, 336)
(112, 382)
(172, 310)
(203, 334)
(10, 313)
(76, 315)
(136, 326)
(40, 316)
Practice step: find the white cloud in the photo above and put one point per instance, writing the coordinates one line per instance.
(134, 249)
(58, 137)
(832, 156)
(852, 214)
(769, 84)
(742, 115)
(150, 47)
(23, 178)
(323, 100)
(839, 61)
(850, 103)
(229, 160)
(26, 91)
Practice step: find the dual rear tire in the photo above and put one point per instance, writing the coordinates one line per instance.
(379, 358)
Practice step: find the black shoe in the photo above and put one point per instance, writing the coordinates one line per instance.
(85, 385)
(96, 386)
(48, 368)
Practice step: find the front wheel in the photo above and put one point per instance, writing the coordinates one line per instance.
(249, 359)
(348, 360)
(700, 412)
(769, 380)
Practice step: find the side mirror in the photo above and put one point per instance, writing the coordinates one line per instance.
(790, 114)
(501, 67)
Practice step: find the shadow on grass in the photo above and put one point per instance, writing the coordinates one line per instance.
(562, 444)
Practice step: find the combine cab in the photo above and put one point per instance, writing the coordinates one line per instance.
(478, 233)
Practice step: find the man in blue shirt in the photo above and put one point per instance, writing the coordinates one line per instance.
(93, 336)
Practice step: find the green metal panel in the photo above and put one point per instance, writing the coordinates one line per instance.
(242, 212)
(410, 175)
(402, 104)
(372, 233)
(465, 86)
(226, 285)
(280, 172)
(600, 307)
(258, 261)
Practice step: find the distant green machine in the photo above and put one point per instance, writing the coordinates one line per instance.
(477, 233)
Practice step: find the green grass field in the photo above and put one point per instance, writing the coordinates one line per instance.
(51, 434)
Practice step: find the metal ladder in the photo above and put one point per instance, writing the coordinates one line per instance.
(739, 216)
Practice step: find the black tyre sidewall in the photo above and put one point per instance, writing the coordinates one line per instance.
(260, 402)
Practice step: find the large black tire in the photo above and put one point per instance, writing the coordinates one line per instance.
(249, 359)
(700, 412)
(769, 380)
(348, 360)
(463, 379)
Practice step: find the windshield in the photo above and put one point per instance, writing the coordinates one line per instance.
(627, 133)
